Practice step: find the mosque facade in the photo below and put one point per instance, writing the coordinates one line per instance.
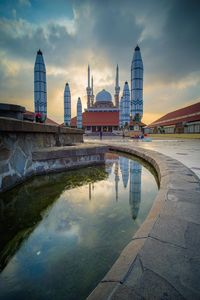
(109, 114)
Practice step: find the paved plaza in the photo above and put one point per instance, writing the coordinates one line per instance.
(186, 151)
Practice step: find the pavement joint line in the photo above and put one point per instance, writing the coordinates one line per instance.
(166, 242)
(163, 278)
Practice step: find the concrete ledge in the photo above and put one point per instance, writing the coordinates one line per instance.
(69, 151)
(12, 125)
(46, 160)
(162, 260)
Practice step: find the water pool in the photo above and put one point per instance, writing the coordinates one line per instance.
(61, 233)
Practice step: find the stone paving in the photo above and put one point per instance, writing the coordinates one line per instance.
(186, 151)
(162, 259)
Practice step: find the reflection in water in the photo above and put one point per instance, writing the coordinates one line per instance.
(135, 188)
(61, 233)
(21, 208)
(116, 178)
(124, 167)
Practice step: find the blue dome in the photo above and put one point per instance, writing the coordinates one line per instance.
(103, 96)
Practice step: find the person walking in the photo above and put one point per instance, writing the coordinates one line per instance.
(100, 134)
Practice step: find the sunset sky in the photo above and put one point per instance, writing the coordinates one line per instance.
(73, 33)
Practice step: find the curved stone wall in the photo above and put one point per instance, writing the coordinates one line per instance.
(28, 149)
(162, 259)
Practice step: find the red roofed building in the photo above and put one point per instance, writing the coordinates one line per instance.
(184, 120)
(94, 121)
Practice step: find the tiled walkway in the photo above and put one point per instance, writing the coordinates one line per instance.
(186, 151)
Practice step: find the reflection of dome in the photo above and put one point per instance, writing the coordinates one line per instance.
(103, 96)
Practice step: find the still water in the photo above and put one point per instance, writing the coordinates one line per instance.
(61, 233)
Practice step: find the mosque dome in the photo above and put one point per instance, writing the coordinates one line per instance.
(103, 96)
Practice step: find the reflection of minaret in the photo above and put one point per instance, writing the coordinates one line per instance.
(124, 167)
(90, 193)
(135, 188)
(117, 87)
(116, 178)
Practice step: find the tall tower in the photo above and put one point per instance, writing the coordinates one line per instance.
(88, 89)
(40, 90)
(135, 188)
(126, 104)
(137, 85)
(79, 114)
(121, 112)
(67, 105)
(92, 94)
(117, 87)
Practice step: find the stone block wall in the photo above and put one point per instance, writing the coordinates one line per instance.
(21, 142)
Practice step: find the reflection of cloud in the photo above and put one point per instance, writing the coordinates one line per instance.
(99, 200)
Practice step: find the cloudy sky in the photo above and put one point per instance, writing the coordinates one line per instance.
(73, 33)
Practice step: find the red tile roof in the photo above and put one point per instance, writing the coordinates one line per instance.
(98, 119)
(187, 114)
(47, 122)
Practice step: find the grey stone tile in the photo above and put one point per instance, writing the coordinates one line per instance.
(152, 286)
(125, 293)
(182, 196)
(187, 211)
(171, 230)
(174, 265)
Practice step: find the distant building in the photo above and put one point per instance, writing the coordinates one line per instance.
(104, 114)
(184, 120)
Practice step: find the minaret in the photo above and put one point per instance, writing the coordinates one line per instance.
(67, 105)
(135, 188)
(137, 85)
(121, 112)
(92, 94)
(126, 105)
(88, 89)
(79, 114)
(117, 87)
(40, 91)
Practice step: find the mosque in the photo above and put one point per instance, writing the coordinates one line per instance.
(102, 113)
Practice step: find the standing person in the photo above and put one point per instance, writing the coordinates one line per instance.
(123, 134)
(100, 134)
